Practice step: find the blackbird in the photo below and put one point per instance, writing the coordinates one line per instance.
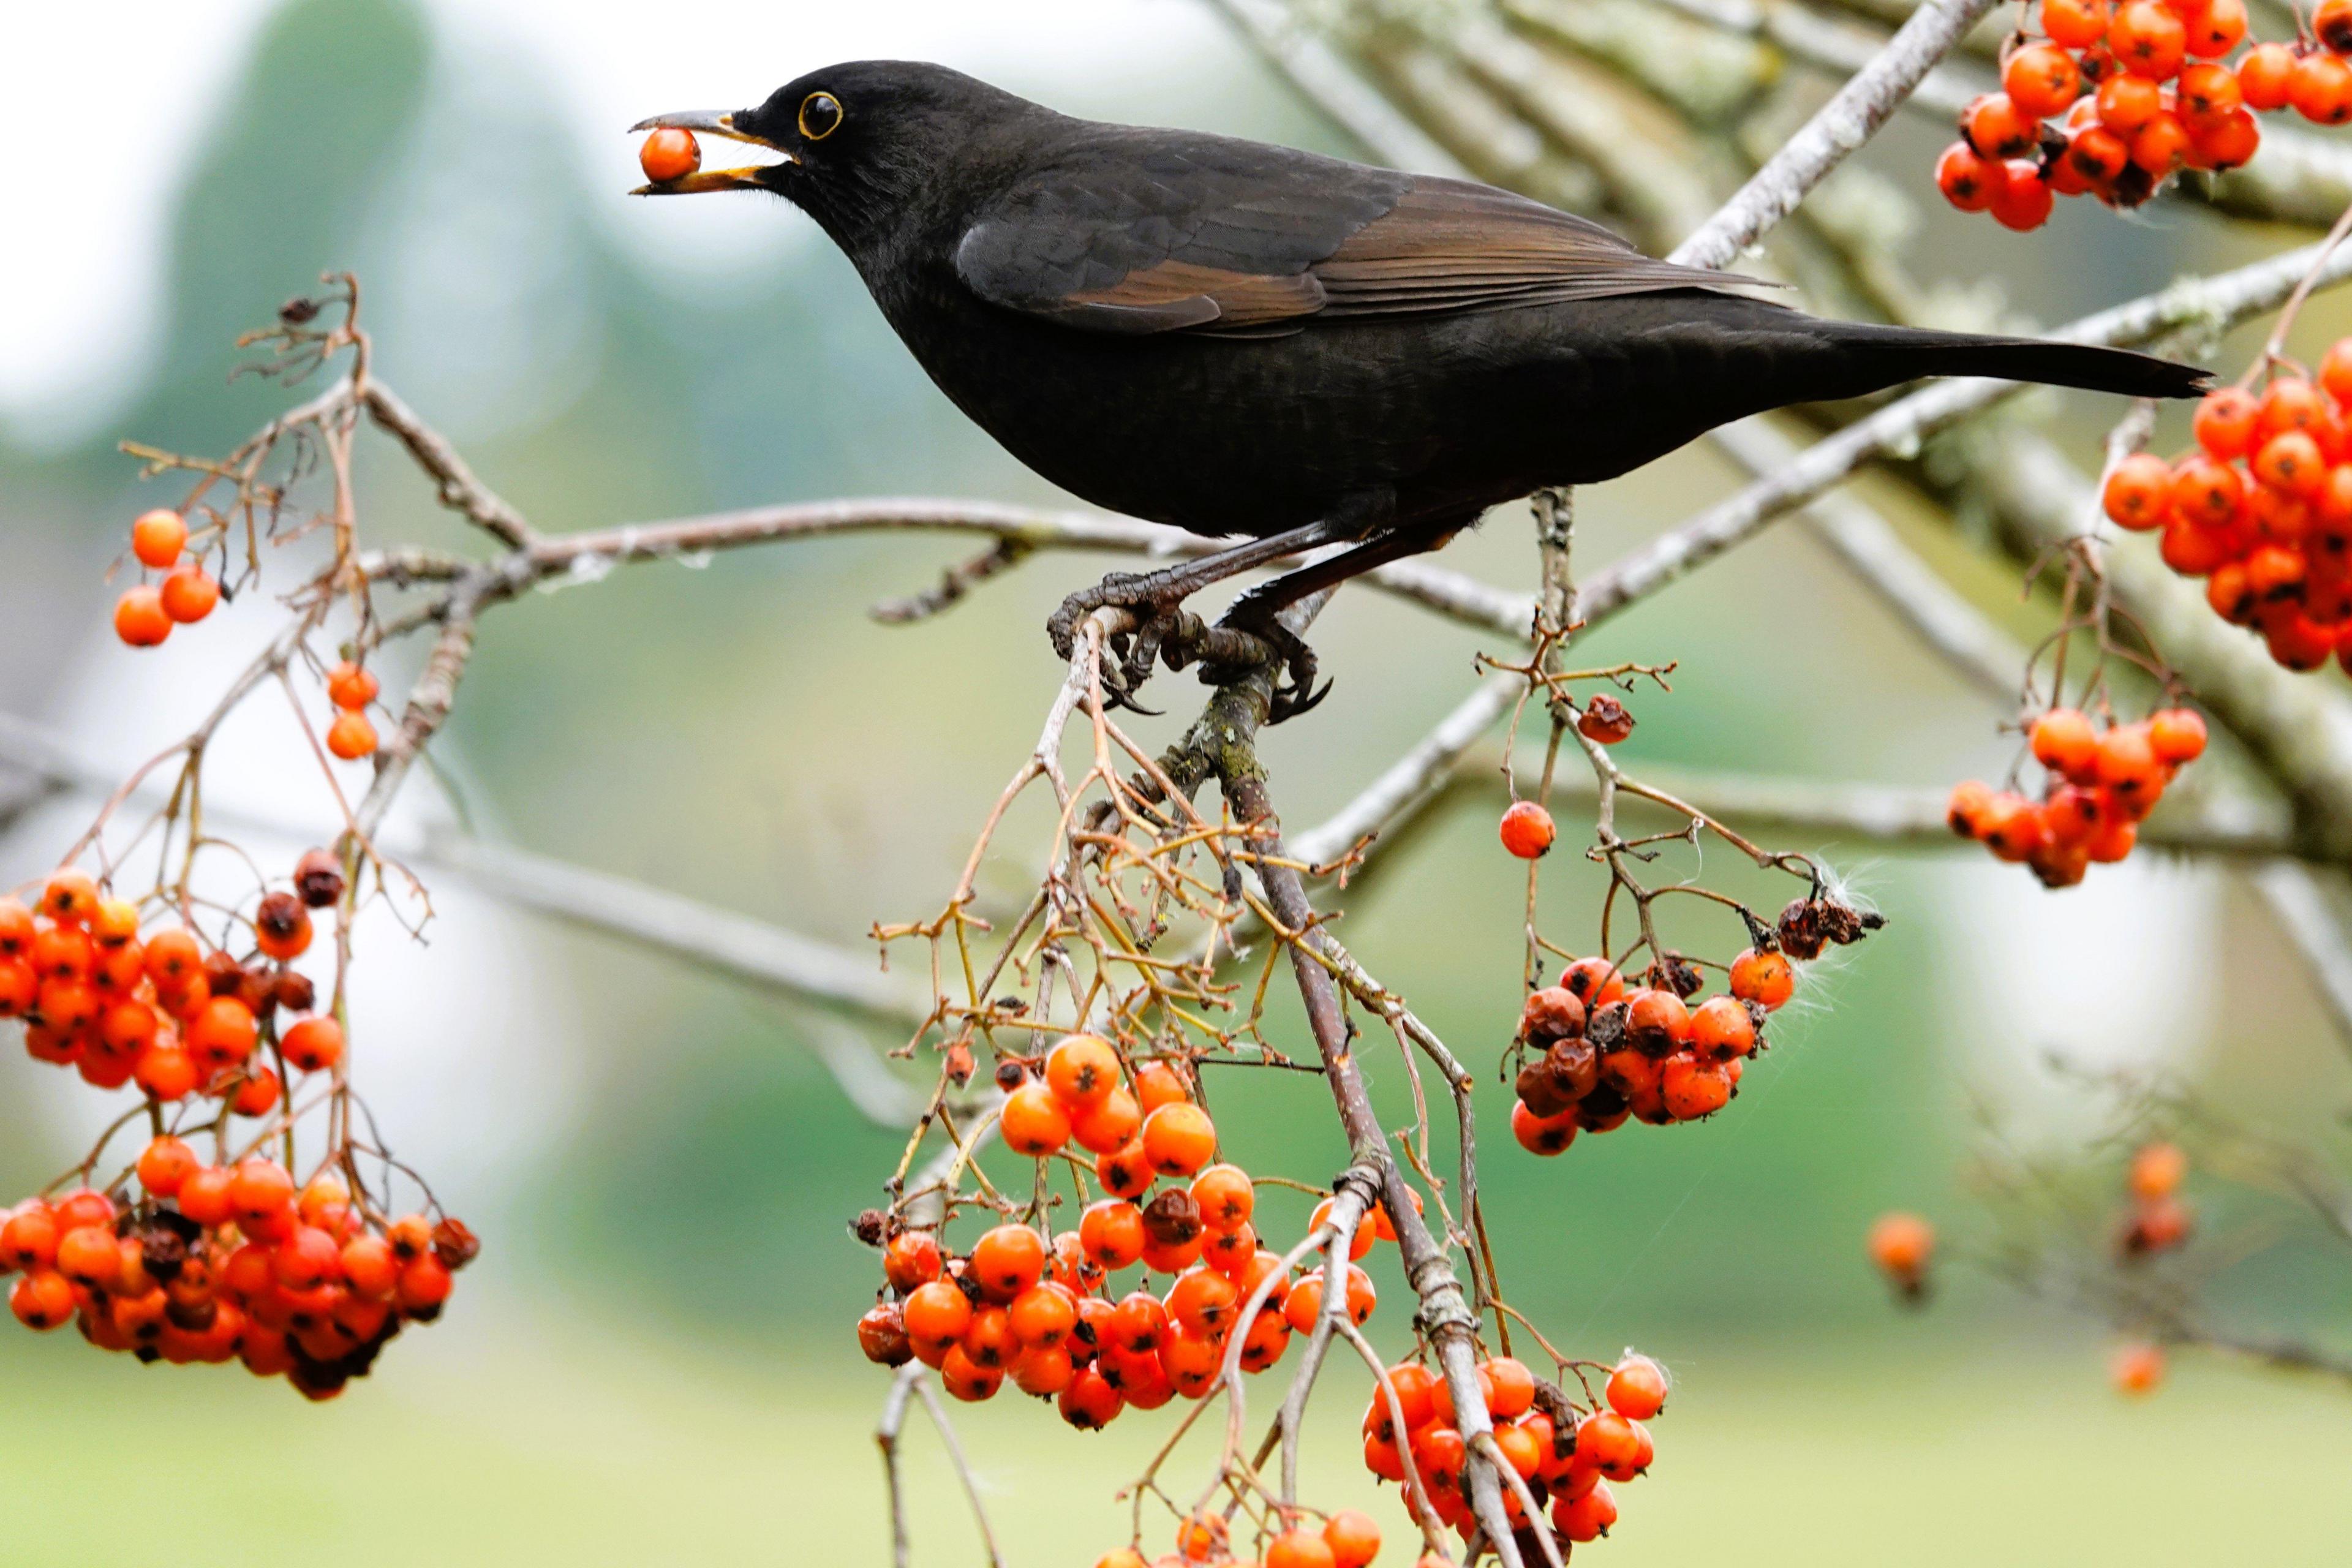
(1244, 339)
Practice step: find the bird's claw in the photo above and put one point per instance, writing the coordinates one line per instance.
(1295, 691)
(1159, 623)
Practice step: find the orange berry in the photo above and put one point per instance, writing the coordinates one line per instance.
(1585, 1518)
(1157, 1084)
(222, 1035)
(2156, 1170)
(2066, 743)
(1969, 180)
(2336, 370)
(189, 592)
(1107, 1124)
(2177, 735)
(370, 1270)
(2331, 23)
(2214, 28)
(1008, 1259)
(2266, 76)
(1766, 979)
(911, 1258)
(1526, 830)
(2207, 96)
(1124, 1171)
(1901, 1244)
(43, 1299)
(2292, 461)
(1225, 1197)
(2139, 491)
(1034, 1123)
(164, 1163)
(314, 1044)
(1111, 1231)
(1692, 1089)
(2148, 39)
(1178, 1140)
(1042, 1316)
(259, 1189)
(1721, 1029)
(350, 686)
(1510, 1388)
(157, 538)
(936, 1315)
(90, 1257)
(2320, 89)
(670, 153)
(1637, 1388)
(139, 617)
(2137, 1368)
(1996, 128)
(2225, 420)
(1544, 1135)
(2075, 23)
(1299, 1549)
(1353, 1538)
(1082, 1070)
(351, 736)
(2025, 199)
(1090, 1404)
(2126, 104)
(2205, 491)
(1203, 1303)
(2041, 79)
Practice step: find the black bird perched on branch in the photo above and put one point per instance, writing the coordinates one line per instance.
(1242, 339)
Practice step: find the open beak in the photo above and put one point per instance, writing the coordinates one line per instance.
(708, 123)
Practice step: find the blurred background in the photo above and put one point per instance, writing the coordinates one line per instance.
(652, 1363)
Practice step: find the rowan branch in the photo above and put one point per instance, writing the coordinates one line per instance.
(1842, 125)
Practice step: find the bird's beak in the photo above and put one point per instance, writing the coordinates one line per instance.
(708, 123)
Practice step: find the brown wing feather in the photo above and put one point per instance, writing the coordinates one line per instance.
(1132, 232)
(1449, 245)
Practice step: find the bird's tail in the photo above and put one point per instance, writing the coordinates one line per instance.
(1910, 351)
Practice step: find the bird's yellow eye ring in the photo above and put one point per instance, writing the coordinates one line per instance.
(820, 116)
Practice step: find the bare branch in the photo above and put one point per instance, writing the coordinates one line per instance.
(1843, 124)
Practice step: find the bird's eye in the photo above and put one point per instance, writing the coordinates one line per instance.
(820, 116)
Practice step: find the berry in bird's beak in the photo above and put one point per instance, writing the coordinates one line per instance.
(670, 154)
(672, 159)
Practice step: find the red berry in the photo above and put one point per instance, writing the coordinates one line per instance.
(1526, 830)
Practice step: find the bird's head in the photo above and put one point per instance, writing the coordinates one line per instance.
(860, 141)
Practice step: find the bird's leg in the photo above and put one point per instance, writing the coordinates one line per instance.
(1257, 613)
(1157, 597)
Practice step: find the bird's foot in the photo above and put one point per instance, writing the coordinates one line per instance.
(1160, 623)
(1225, 649)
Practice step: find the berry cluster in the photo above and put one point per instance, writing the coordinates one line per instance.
(350, 688)
(1044, 1314)
(1347, 1540)
(1596, 1051)
(213, 1262)
(2157, 1221)
(1567, 1453)
(2112, 99)
(2101, 784)
(162, 1011)
(204, 1261)
(2261, 508)
(147, 612)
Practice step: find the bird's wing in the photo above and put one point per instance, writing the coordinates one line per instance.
(1207, 234)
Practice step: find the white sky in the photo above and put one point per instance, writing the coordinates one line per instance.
(122, 92)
